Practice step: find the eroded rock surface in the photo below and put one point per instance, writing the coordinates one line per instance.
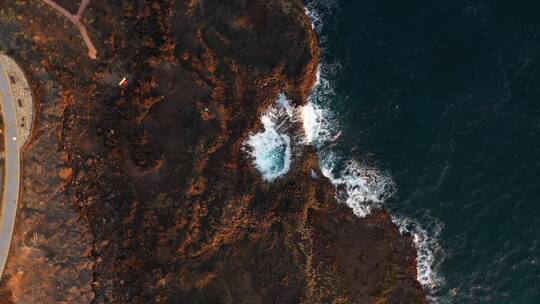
(149, 184)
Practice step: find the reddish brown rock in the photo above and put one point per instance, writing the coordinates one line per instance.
(171, 205)
(66, 174)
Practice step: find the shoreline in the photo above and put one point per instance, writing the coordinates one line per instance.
(317, 24)
(164, 203)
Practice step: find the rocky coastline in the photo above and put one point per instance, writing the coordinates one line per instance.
(144, 193)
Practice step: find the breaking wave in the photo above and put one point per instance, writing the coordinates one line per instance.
(428, 251)
(361, 186)
(271, 149)
(316, 123)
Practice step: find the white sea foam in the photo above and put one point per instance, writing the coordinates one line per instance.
(284, 105)
(316, 123)
(428, 251)
(271, 148)
(316, 11)
(361, 186)
(316, 23)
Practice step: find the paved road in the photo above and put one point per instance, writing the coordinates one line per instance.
(10, 195)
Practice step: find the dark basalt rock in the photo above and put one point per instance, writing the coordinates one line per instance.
(172, 207)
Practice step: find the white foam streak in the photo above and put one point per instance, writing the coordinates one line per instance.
(316, 124)
(315, 18)
(360, 186)
(284, 104)
(318, 121)
(316, 11)
(427, 251)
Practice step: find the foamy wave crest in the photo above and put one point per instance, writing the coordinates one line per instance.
(361, 187)
(271, 149)
(316, 11)
(429, 253)
(316, 23)
(317, 124)
(320, 126)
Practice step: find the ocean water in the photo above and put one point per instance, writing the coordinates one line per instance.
(432, 109)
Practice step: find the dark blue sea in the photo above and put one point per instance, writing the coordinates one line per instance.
(444, 97)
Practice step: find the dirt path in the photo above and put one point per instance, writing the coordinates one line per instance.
(76, 20)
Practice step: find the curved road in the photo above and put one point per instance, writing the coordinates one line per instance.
(13, 89)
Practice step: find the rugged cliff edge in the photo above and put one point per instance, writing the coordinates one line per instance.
(144, 195)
